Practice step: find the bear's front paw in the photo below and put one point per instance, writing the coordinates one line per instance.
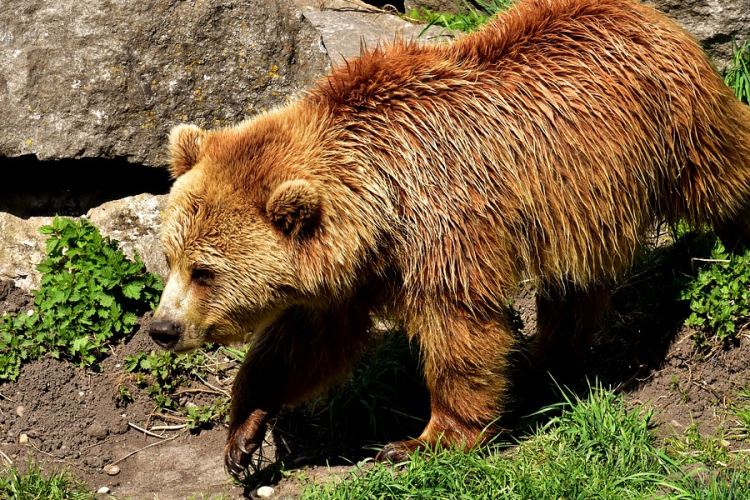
(243, 441)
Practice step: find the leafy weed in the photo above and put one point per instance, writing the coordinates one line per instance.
(90, 295)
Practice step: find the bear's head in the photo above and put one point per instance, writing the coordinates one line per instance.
(243, 233)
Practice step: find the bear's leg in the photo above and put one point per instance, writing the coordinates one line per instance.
(301, 354)
(567, 321)
(465, 358)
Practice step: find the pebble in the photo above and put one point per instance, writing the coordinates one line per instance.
(103, 490)
(112, 470)
(20, 410)
(264, 492)
(97, 430)
(23, 439)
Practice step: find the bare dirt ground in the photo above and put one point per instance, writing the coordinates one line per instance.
(71, 419)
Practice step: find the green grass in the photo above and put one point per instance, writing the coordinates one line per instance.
(468, 18)
(33, 485)
(595, 447)
(737, 76)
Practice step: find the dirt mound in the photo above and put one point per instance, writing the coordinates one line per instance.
(690, 388)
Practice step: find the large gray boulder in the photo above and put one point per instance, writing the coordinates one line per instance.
(108, 79)
(102, 79)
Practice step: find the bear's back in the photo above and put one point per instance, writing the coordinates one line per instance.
(541, 146)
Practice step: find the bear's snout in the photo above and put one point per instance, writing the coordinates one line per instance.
(165, 333)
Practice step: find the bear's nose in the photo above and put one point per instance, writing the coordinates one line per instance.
(165, 333)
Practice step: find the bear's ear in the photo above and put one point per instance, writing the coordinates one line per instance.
(184, 148)
(294, 207)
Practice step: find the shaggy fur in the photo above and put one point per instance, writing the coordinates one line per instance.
(430, 180)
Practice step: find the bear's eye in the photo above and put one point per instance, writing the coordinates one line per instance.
(202, 276)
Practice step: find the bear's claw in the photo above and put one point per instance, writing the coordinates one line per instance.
(243, 442)
(236, 459)
(398, 452)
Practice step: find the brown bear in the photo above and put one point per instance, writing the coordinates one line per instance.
(424, 182)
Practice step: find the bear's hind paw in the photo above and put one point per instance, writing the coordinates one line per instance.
(399, 451)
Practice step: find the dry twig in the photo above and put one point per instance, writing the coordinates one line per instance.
(131, 424)
(141, 449)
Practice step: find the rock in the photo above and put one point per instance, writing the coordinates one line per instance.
(135, 222)
(264, 492)
(108, 79)
(20, 410)
(102, 491)
(120, 427)
(97, 430)
(112, 470)
(441, 6)
(343, 31)
(23, 439)
(21, 249)
(94, 461)
(713, 22)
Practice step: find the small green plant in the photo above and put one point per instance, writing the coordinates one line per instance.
(719, 296)
(740, 408)
(123, 396)
(696, 447)
(163, 374)
(737, 76)
(90, 294)
(674, 384)
(200, 417)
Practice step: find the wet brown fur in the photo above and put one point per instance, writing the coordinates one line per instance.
(430, 180)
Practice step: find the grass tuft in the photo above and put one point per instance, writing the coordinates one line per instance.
(33, 485)
(737, 76)
(468, 18)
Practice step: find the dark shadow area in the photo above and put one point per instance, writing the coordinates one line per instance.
(31, 187)
(397, 4)
(646, 317)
